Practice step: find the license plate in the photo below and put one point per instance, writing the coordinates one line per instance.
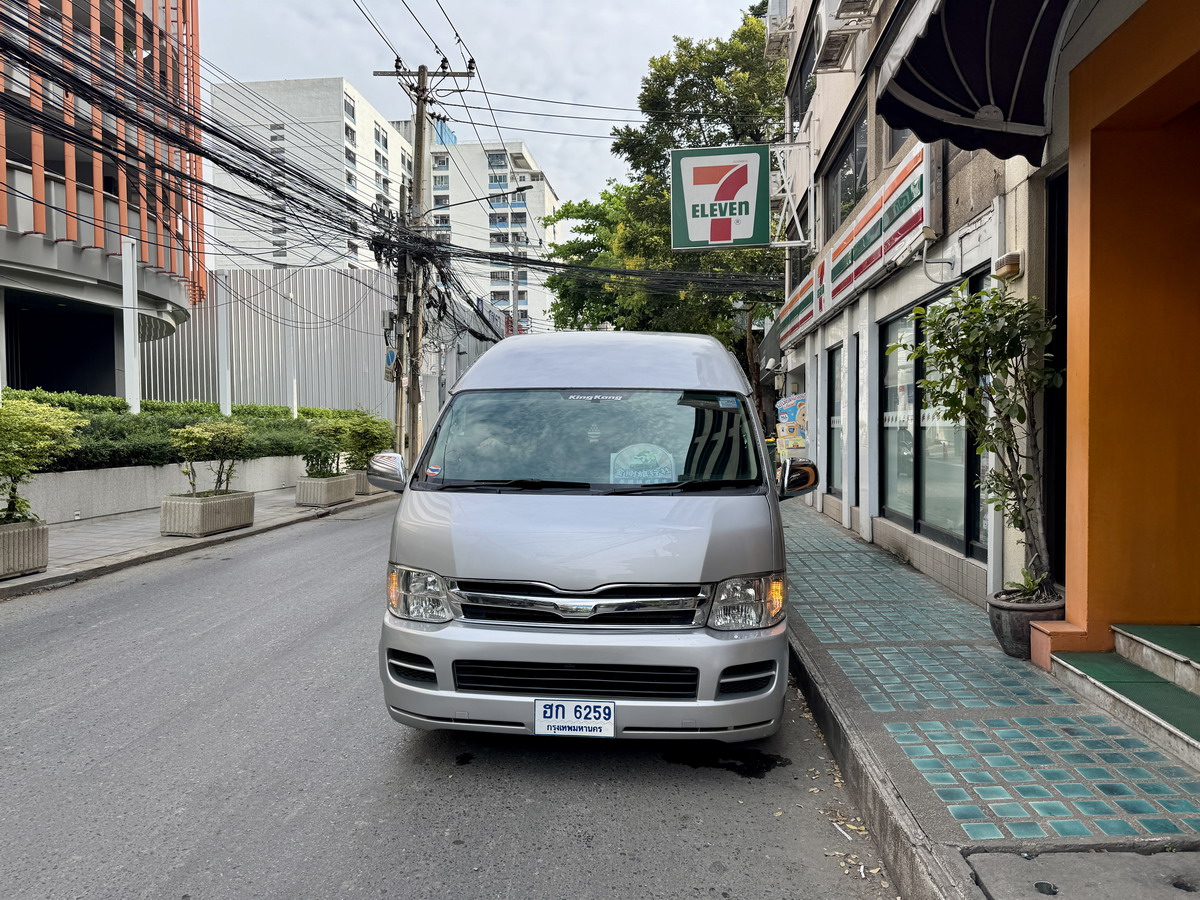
(575, 718)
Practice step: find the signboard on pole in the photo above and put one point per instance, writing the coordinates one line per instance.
(720, 197)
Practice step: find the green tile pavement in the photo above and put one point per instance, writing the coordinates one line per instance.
(983, 748)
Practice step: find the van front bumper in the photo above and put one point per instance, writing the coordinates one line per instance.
(432, 700)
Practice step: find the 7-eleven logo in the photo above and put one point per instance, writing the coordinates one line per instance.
(720, 192)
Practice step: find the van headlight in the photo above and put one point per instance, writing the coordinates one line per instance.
(748, 603)
(416, 594)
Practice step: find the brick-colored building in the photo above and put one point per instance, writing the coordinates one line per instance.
(69, 202)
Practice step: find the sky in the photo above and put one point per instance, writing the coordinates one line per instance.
(566, 50)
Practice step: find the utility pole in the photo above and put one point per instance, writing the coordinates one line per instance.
(411, 273)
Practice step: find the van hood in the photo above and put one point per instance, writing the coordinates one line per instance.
(579, 542)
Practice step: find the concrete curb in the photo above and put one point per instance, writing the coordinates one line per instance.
(920, 869)
(118, 561)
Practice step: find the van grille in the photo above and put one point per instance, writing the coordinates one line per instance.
(577, 680)
(612, 606)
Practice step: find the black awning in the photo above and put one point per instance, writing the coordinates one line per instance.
(974, 72)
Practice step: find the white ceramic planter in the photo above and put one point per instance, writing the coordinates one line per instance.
(361, 485)
(200, 516)
(24, 549)
(325, 492)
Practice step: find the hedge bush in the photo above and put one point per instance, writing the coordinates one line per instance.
(80, 403)
(113, 438)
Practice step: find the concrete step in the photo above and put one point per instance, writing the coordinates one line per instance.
(1159, 710)
(1170, 651)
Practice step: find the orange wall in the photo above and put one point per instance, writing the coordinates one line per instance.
(1133, 401)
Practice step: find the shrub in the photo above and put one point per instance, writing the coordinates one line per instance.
(365, 436)
(80, 403)
(322, 450)
(310, 412)
(31, 435)
(260, 411)
(225, 443)
(181, 407)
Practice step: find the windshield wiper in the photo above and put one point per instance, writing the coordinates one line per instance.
(676, 487)
(518, 484)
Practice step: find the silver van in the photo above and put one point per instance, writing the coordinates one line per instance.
(590, 544)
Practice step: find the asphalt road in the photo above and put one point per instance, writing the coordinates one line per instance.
(211, 726)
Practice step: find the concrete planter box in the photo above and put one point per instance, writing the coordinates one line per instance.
(24, 549)
(325, 492)
(361, 485)
(200, 516)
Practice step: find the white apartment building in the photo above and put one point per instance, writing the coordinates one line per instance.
(508, 225)
(329, 128)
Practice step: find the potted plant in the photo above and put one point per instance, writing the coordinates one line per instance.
(200, 513)
(363, 437)
(986, 366)
(31, 436)
(323, 484)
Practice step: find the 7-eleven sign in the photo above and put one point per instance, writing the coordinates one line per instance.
(720, 197)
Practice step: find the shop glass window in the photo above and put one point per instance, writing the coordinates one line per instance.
(944, 460)
(899, 393)
(846, 182)
(837, 389)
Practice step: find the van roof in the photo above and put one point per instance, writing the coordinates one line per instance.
(607, 359)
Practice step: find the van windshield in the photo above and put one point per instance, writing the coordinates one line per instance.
(611, 441)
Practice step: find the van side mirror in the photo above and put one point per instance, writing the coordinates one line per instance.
(798, 476)
(387, 471)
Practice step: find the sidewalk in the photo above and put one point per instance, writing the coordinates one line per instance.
(953, 749)
(92, 547)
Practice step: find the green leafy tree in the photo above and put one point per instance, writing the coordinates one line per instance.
(704, 93)
(987, 367)
(32, 435)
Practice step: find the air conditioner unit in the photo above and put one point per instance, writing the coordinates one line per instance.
(856, 9)
(779, 36)
(835, 36)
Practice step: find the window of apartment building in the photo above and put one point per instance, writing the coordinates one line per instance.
(441, 221)
(896, 139)
(929, 467)
(497, 160)
(522, 298)
(441, 200)
(351, 136)
(801, 94)
(846, 182)
(501, 296)
(348, 106)
(522, 276)
(441, 181)
(537, 176)
(351, 157)
(381, 160)
(519, 220)
(499, 275)
(381, 137)
(498, 220)
(440, 163)
(351, 248)
(834, 427)
(498, 237)
(498, 181)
